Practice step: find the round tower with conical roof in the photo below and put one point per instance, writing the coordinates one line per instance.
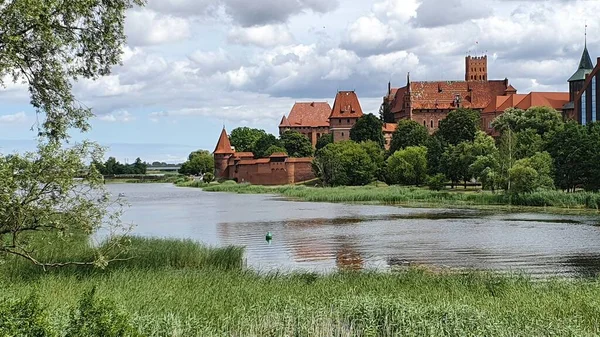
(223, 152)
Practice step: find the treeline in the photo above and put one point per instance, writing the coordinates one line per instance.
(113, 167)
(535, 150)
(263, 144)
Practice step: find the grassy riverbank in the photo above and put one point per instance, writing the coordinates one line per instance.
(180, 288)
(413, 195)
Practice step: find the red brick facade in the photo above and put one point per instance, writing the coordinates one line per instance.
(278, 169)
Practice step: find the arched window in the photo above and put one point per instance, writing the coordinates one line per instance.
(424, 123)
(432, 123)
(438, 123)
(342, 134)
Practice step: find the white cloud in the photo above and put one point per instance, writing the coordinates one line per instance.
(118, 116)
(261, 36)
(146, 27)
(16, 118)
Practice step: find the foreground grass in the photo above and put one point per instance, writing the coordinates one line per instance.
(180, 288)
(412, 195)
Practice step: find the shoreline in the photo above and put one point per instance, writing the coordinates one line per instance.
(402, 196)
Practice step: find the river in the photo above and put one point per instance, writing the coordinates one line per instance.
(324, 237)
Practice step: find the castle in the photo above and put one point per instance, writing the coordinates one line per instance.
(427, 102)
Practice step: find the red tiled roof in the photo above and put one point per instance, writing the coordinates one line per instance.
(496, 103)
(346, 105)
(398, 100)
(314, 114)
(300, 160)
(512, 101)
(554, 100)
(389, 127)
(223, 145)
(441, 94)
(278, 155)
(243, 155)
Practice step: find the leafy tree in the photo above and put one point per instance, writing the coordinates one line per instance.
(244, 139)
(408, 133)
(139, 167)
(543, 120)
(296, 144)
(377, 156)
(568, 149)
(208, 178)
(344, 163)
(368, 127)
(459, 126)
(437, 182)
(385, 113)
(199, 162)
(264, 143)
(527, 143)
(408, 166)
(49, 44)
(274, 149)
(486, 169)
(523, 178)
(592, 162)
(532, 173)
(435, 150)
(324, 140)
(457, 161)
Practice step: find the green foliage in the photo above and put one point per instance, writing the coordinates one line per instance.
(528, 142)
(408, 133)
(208, 178)
(487, 170)
(592, 161)
(198, 162)
(377, 155)
(324, 140)
(264, 143)
(457, 161)
(244, 139)
(570, 153)
(385, 113)
(523, 181)
(368, 128)
(344, 163)
(24, 317)
(543, 120)
(437, 182)
(296, 144)
(459, 126)
(522, 178)
(113, 167)
(408, 166)
(99, 317)
(435, 149)
(274, 149)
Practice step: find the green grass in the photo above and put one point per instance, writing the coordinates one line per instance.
(413, 195)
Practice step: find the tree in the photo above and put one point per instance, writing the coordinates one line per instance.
(527, 143)
(139, 167)
(296, 144)
(264, 143)
(377, 156)
(543, 120)
(523, 178)
(408, 133)
(199, 162)
(244, 139)
(274, 149)
(457, 161)
(324, 140)
(567, 147)
(368, 127)
(408, 166)
(459, 126)
(435, 150)
(344, 163)
(385, 113)
(49, 44)
(486, 169)
(592, 162)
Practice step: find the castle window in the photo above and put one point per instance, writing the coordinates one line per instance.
(594, 98)
(340, 121)
(348, 120)
(583, 109)
(424, 123)
(342, 134)
(432, 123)
(438, 123)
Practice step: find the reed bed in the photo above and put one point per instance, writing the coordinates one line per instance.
(408, 195)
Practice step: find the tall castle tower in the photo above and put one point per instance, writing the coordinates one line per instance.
(578, 79)
(222, 154)
(476, 68)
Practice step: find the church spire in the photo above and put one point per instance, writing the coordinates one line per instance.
(223, 145)
(585, 64)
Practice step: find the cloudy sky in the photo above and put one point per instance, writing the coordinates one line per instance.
(192, 66)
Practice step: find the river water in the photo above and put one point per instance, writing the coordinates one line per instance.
(324, 236)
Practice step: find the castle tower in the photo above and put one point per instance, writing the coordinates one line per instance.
(344, 114)
(476, 68)
(222, 154)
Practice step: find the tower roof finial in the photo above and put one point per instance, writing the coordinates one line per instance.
(585, 34)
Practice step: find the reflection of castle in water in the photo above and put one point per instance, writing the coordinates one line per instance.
(301, 239)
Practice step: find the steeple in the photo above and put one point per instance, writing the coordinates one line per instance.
(223, 145)
(585, 64)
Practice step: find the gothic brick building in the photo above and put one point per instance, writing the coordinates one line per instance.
(430, 102)
(278, 169)
(346, 111)
(310, 119)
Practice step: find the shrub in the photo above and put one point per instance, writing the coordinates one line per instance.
(437, 182)
(24, 318)
(98, 317)
(208, 178)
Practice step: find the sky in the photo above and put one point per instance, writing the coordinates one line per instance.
(191, 67)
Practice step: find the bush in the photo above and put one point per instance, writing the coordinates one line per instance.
(208, 178)
(99, 317)
(24, 318)
(437, 182)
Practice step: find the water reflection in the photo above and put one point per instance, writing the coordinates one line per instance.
(324, 237)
